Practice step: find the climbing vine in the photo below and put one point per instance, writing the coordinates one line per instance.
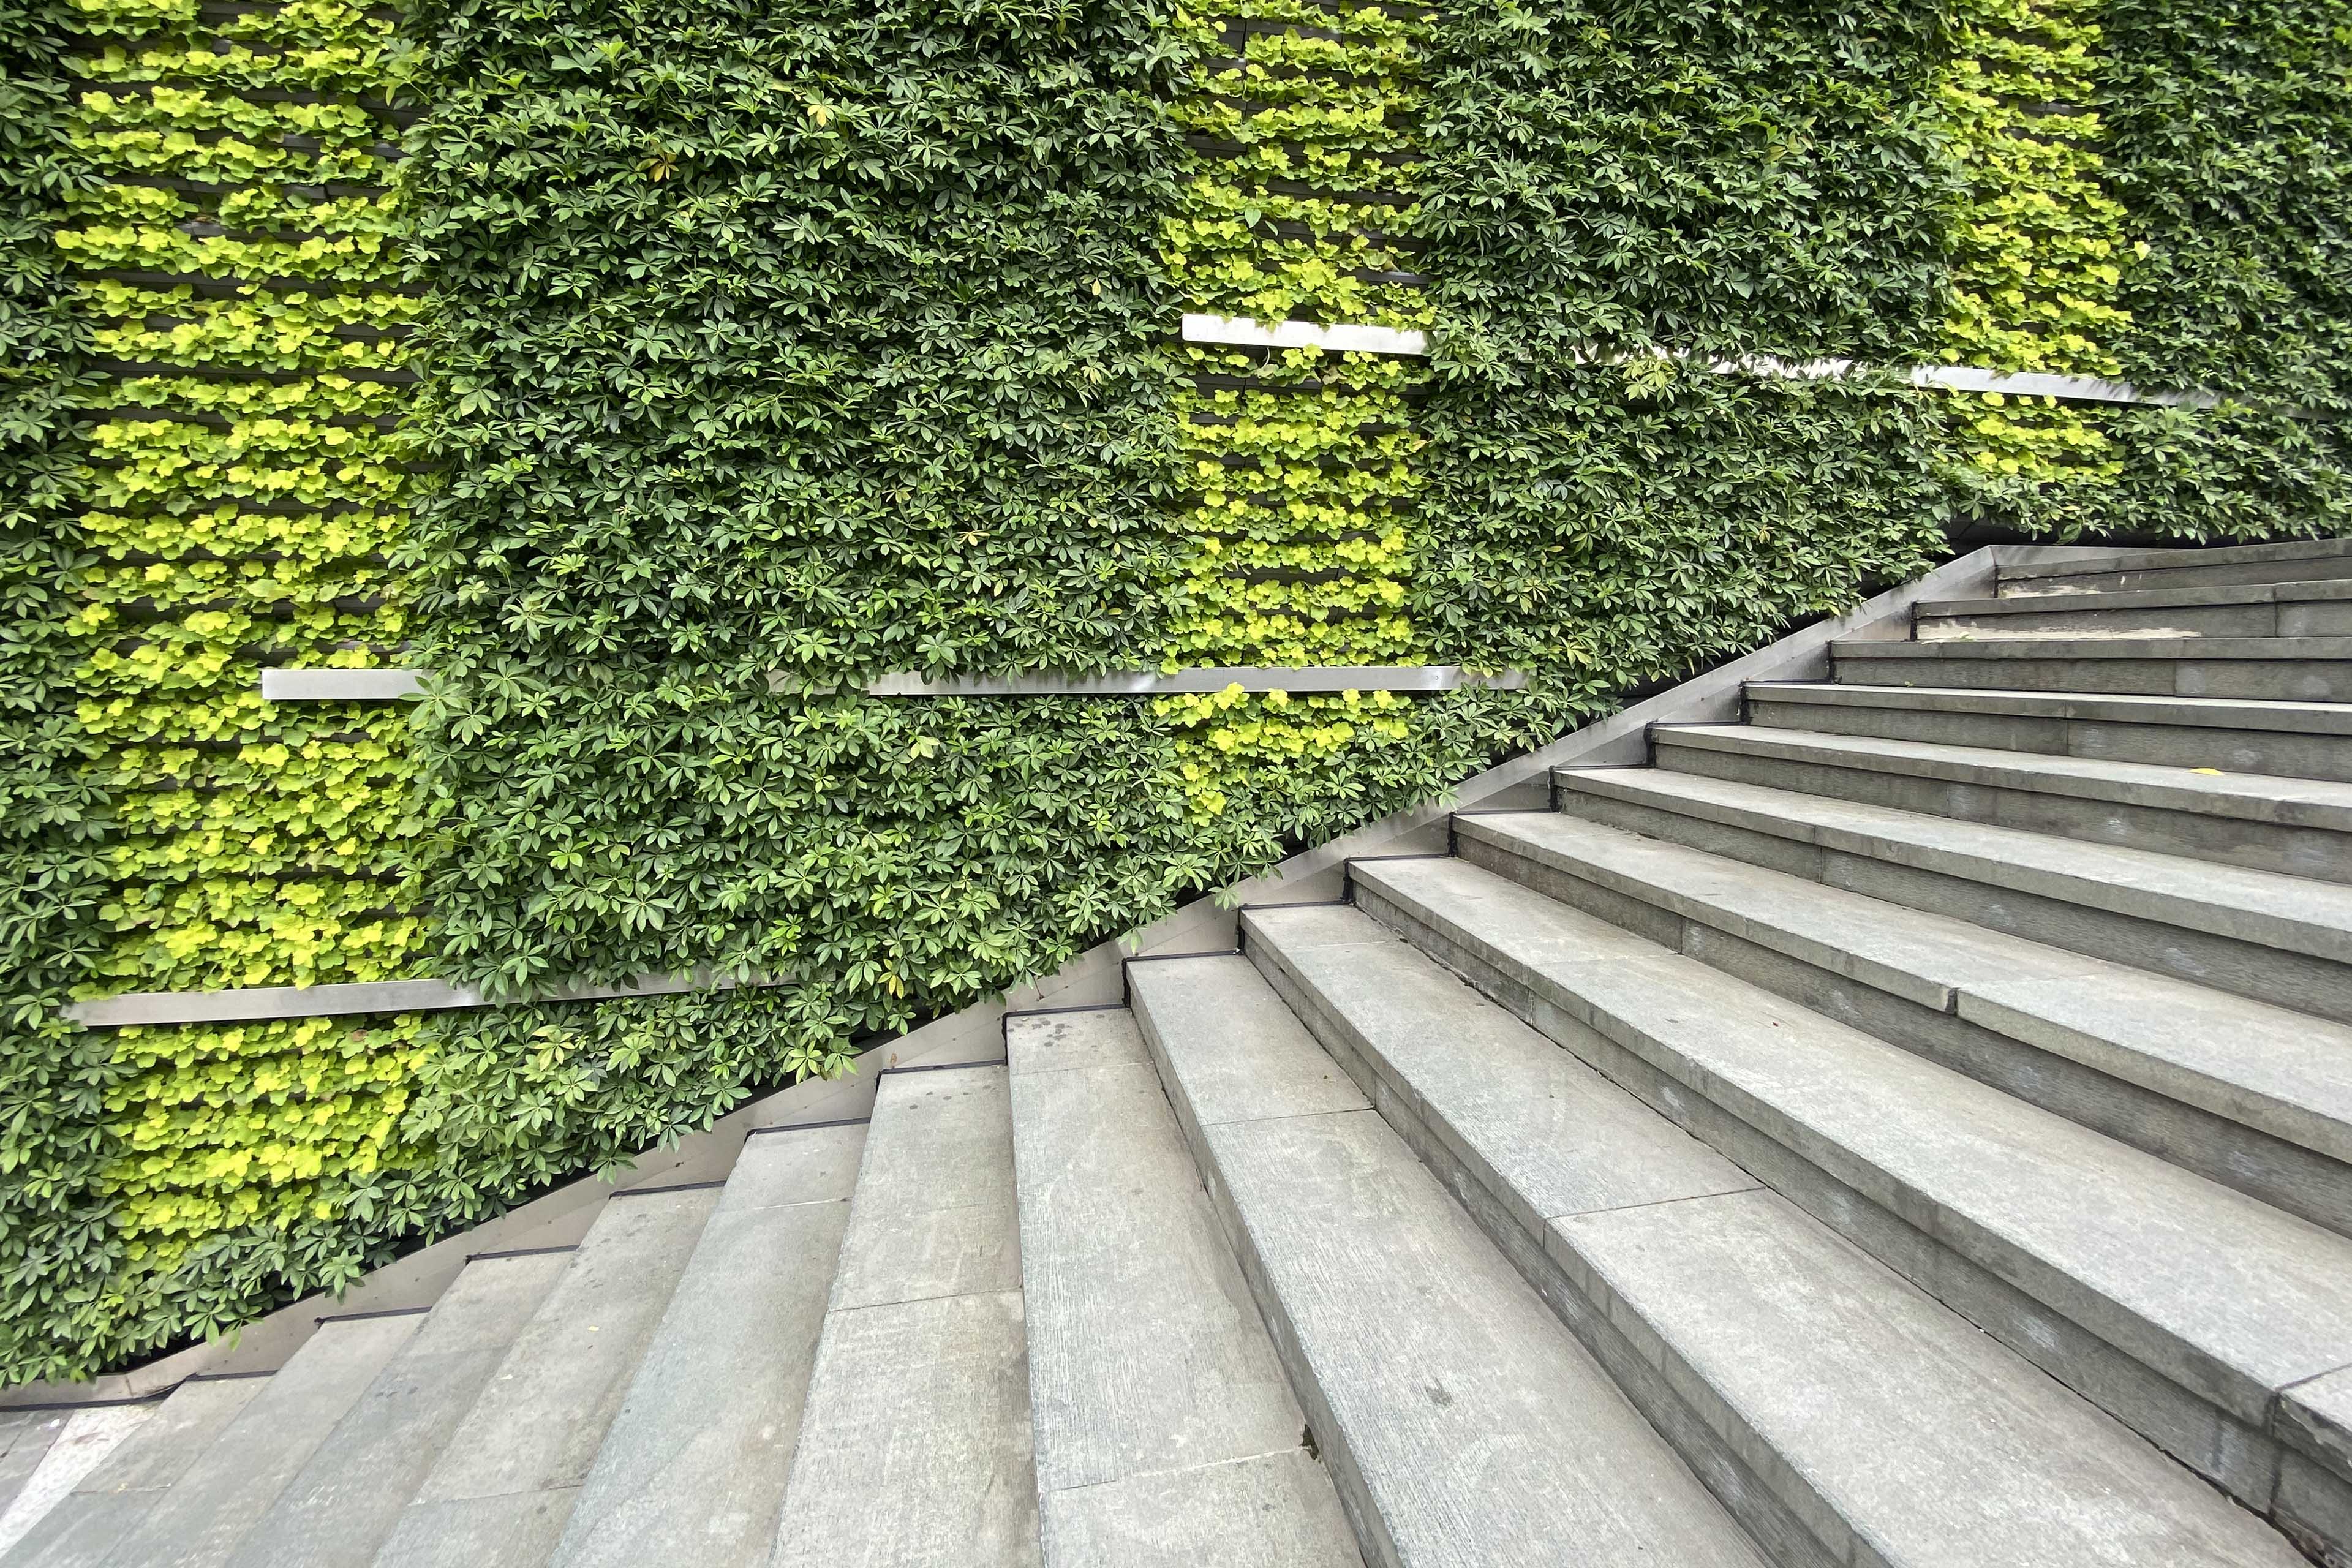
(655, 376)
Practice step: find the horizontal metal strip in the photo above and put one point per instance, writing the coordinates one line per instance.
(1953, 377)
(1340, 338)
(1245, 333)
(1155, 683)
(2074, 388)
(260, 1002)
(393, 685)
(340, 685)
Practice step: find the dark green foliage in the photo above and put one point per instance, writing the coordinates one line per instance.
(1716, 179)
(55, 1247)
(2231, 129)
(1611, 182)
(813, 339)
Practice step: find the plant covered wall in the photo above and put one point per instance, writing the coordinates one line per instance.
(216, 490)
(769, 348)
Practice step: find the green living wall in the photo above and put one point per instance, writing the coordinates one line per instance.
(684, 367)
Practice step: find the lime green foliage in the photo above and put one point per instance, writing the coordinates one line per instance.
(236, 490)
(1299, 534)
(2039, 250)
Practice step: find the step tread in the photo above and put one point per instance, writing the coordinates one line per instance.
(714, 1407)
(2254, 797)
(505, 1483)
(923, 1334)
(2288, 1073)
(2225, 1294)
(2140, 598)
(1817, 1361)
(24, 1439)
(1154, 1390)
(339, 1511)
(2297, 913)
(81, 1529)
(1476, 1428)
(2214, 712)
(2304, 649)
(199, 1520)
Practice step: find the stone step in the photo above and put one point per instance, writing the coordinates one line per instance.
(2256, 1097)
(2300, 827)
(505, 1482)
(914, 1442)
(200, 1518)
(81, 1528)
(2284, 940)
(2310, 609)
(1166, 1434)
(2284, 739)
(694, 1466)
(2145, 570)
(343, 1507)
(27, 1437)
(2282, 670)
(1841, 1413)
(1463, 1423)
(2189, 1311)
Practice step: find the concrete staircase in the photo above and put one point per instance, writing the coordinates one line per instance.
(1911, 1129)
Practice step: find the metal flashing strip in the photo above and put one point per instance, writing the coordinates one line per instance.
(1156, 683)
(403, 685)
(1342, 338)
(258, 1002)
(807, 1126)
(1972, 378)
(1247, 332)
(2072, 388)
(340, 685)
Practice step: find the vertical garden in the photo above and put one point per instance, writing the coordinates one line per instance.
(654, 377)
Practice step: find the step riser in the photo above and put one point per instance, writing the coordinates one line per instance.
(1339, 1459)
(2300, 569)
(2223, 840)
(1671, 1395)
(2283, 1175)
(2272, 752)
(2240, 1459)
(2269, 974)
(2277, 680)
